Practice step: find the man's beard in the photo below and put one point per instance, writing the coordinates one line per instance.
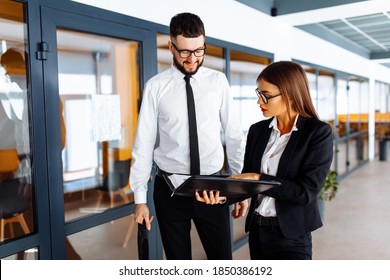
(181, 68)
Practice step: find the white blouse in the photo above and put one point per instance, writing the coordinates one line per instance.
(270, 162)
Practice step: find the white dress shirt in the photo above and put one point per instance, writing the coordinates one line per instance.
(14, 124)
(14, 131)
(163, 132)
(270, 162)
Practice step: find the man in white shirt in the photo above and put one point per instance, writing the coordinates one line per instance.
(14, 124)
(164, 116)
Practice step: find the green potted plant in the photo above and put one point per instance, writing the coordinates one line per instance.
(328, 191)
(330, 187)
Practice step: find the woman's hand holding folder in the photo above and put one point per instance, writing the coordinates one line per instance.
(246, 176)
(212, 197)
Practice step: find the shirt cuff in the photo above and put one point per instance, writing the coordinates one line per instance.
(140, 197)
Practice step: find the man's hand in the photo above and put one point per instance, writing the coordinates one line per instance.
(240, 209)
(142, 214)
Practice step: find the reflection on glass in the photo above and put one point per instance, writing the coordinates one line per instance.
(16, 207)
(99, 89)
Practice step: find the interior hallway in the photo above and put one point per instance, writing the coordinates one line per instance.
(357, 221)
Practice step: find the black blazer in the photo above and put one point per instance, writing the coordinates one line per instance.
(302, 170)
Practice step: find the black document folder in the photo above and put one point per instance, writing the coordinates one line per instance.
(228, 187)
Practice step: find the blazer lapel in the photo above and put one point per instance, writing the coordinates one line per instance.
(288, 154)
(261, 144)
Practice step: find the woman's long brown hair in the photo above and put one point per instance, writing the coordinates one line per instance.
(292, 82)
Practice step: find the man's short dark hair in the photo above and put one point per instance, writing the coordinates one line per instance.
(187, 25)
(13, 58)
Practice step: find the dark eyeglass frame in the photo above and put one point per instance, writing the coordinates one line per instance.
(182, 55)
(263, 97)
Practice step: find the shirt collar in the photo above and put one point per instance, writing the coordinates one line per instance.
(274, 124)
(180, 76)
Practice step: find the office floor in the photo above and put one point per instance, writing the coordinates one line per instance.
(356, 225)
(357, 222)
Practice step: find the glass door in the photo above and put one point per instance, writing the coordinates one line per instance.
(92, 78)
(17, 204)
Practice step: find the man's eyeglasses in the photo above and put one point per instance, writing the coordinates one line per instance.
(187, 53)
(263, 97)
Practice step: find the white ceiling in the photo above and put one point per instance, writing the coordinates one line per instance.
(361, 26)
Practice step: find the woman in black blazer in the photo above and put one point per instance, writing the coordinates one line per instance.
(293, 147)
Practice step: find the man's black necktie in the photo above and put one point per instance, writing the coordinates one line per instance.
(194, 148)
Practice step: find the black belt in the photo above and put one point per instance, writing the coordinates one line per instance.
(265, 221)
(160, 173)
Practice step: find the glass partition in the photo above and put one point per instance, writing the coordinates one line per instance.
(322, 90)
(382, 110)
(342, 100)
(16, 184)
(343, 121)
(352, 113)
(244, 70)
(342, 108)
(99, 90)
(326, 97)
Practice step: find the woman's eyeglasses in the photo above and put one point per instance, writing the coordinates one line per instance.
(263, 97)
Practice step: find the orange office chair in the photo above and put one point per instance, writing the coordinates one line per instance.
(117, 179)
(9, 161)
